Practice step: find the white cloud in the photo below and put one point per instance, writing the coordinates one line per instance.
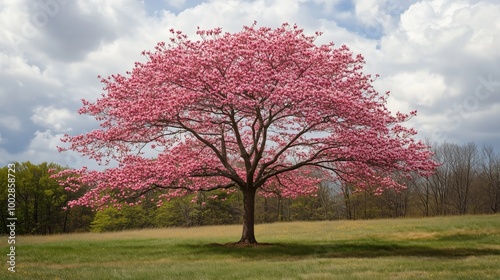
(50, 117)
(452, 25)
(176, 3)
(43, 148)
(367, 11)
(409, 87)
(10, 122)
(433, 59)
(17, 66)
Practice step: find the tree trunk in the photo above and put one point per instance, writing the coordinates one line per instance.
(248, 234)
(65, 221)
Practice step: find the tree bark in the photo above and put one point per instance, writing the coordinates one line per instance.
(248, 234)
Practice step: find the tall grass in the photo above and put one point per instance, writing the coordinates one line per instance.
(459, 247)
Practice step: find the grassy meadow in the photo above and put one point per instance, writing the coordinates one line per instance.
(458, 247)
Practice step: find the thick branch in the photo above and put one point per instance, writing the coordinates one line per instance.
(219, 155)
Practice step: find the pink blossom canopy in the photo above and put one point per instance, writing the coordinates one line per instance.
(263, 109)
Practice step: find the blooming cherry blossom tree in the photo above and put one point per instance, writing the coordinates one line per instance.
(261, 110)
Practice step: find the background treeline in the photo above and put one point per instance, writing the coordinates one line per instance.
(467, 182)
(40, 202)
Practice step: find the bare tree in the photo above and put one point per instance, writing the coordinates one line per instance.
(438, 183)
(491, 178)
(465, 168)
(421, 191)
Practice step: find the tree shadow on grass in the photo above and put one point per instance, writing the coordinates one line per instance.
(340, 249)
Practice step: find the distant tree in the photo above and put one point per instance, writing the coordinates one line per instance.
(439, 182)
(325, 196)
(490, 171)
(466, 182)
(178, 212)
(466, 166)
(258, 109)
(422, 196)
(40, 201)
(110, 219)
(346, 190)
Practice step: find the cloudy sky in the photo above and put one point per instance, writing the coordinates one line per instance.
(441, 57)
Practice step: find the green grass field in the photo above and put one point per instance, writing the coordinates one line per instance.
(459, 247)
